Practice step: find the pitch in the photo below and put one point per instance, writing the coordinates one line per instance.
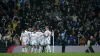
(50, 54)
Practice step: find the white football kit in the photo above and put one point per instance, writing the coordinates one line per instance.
(40, 37)
(24, 38)
(29, 36)
(47, 36)
(33, 38)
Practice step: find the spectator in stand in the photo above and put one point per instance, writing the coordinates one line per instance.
(80, 15)
(82, 41)
(72, 40)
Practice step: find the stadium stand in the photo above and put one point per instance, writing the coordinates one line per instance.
(74, 22)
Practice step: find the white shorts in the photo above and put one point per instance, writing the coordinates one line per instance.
(47, 41)
(24, 42)
(42, 42)
(34, 42)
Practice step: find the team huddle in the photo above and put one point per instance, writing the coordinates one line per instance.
(34, 39)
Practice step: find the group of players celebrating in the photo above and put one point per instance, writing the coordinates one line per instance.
(34, 40)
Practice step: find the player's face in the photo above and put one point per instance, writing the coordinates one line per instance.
(29, 29)
(46, 27)
(39, 31)
(33, 28)
(34, 31)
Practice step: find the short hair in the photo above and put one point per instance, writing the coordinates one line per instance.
(47, 27)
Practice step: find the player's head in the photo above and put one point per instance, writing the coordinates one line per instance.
(38, 29)
(33, 28)
(23, 30)
(35, 31)
(46, 27)
(29, 29)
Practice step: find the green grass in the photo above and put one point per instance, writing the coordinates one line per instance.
(50, 54)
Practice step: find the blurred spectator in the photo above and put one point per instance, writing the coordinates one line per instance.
(82, 41)
(81, 17)
(0, 37)
(58, 40)
(74, 18)
(96, 44)
(88, 42)
(92, 40)
(72, 40)
(15, 23)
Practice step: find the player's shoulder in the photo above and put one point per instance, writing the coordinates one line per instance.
(22, 33)
(47, 31)
(26, 31)
(37, 32)
(32, 32)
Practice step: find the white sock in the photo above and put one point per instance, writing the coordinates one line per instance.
(31, 49)
(40, 49)
(23, 49)
(35, 50)
(48, 48)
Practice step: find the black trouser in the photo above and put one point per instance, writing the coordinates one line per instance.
(63, 46)
(90, 50)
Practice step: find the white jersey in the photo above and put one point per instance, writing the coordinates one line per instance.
(33, 38)
(47, 35)
(24, 38)
(40, 38)
(40, 35)
(27, 35)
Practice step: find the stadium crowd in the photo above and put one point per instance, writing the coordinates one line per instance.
(74, 22)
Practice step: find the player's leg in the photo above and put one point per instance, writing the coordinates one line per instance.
(29, 46)
(35, 47)
(40, 48)
(48, 48)
(39, 45)
(32, 46)
(26, 45)
(23, 46)
(45, 45)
